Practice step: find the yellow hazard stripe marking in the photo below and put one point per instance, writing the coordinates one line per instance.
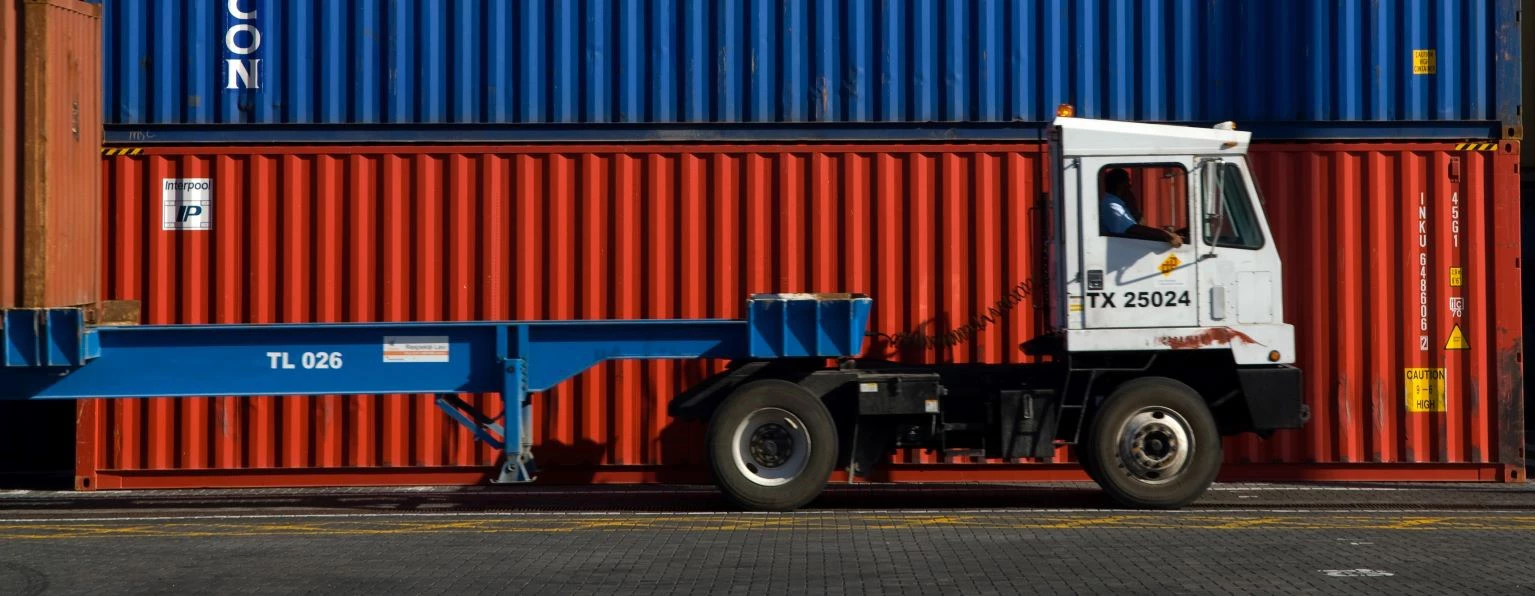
(116, 151)
(43, 530)
(1476, 146)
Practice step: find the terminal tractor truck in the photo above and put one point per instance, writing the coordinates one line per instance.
(1162, 339)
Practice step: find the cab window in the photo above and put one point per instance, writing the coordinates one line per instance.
(1237, 225)
(1151, 195)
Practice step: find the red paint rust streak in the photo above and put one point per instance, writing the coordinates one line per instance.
(1210, 337)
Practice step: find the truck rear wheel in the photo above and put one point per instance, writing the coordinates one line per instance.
(1089, 462)
(772, 446)
(1154, 444)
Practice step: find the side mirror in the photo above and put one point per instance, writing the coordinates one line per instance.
(1214, 203)
(1211, 176)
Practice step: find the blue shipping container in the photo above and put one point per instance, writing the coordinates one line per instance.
(647, 62)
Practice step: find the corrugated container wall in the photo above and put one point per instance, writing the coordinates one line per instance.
(50, 138)
(1380, 241)
(10, 154)
(783, 61)
(1527, 31)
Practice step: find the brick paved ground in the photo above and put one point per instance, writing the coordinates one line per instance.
(1398, 539)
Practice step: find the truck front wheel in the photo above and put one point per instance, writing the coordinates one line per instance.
(1154, 444)
(772, 446)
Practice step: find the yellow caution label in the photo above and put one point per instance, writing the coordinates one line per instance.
(1424, 389)
(1424, 62)
(115, 151)
(1457, 340)
(1475, 146)
(1169, 265)
(1455, 277)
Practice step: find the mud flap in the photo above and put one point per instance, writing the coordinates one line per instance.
(1273, 395)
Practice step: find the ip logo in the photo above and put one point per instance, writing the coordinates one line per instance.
(186, 204)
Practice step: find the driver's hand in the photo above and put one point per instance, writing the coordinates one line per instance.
(1174, 239)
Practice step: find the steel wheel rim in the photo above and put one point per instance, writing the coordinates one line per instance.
(1156, 445)
(772, 447)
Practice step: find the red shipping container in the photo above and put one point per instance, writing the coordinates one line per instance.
(50, 138)
(935, 233)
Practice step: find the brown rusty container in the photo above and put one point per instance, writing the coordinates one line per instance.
(50, 139)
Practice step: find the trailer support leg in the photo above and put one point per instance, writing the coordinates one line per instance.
(517, 407)
(484, 428)
(513, 434)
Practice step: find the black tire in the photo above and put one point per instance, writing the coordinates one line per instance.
(743, 481)
(1156, 405)
(1088, 461)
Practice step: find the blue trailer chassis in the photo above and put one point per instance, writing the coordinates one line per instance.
(54, 354)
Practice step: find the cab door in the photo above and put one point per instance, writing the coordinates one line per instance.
(1239, 281)
(1128, 281)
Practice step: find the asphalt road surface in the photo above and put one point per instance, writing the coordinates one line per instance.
(955, 539)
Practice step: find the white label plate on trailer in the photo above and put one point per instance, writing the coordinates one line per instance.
(415, 348)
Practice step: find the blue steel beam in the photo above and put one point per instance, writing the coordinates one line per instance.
(352, 359)
(51, 354)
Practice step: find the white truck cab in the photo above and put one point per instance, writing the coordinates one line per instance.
(1168, 333)
(1219, 289)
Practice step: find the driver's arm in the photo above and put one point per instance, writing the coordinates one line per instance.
(1119, 223)
(1141, 232)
